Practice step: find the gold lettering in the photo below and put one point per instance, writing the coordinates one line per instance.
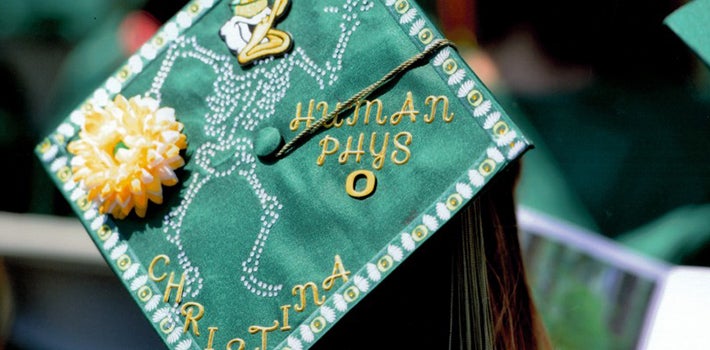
(338, 272)
(402, 147)
(368, 110)
(151, 267)
(336, 121)
(264, 331)
(370, 182)
(407, 109)
(171, 284)
(241, 342)
(301, 289)
(434, 100)
(187, 310)
(296, 122)
(327, 140)
(285, 326)
(210, 337)
(379, 156)
(345, 155)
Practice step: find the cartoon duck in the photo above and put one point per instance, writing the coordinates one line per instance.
(250, 33)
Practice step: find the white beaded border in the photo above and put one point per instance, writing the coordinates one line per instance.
(122, 260)
(506, 145)
(52, 151)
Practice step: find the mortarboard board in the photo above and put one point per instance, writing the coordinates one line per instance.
(258, 167)
(690, 23)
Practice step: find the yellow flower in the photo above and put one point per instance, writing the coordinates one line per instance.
(126, 152)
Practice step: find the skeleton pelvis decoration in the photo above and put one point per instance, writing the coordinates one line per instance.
(250, 33)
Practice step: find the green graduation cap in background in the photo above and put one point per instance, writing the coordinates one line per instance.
(258, 167)
(690, 23)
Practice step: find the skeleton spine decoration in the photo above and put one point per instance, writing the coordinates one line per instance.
(250, 33)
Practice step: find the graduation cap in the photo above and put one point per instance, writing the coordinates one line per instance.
(259, 168)
(690, 23)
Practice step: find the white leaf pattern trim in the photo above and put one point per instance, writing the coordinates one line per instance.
(362, 284)
(430, 222)
(174, 335)
(58, 164)
(506, 138)
(69, 185)
(100, 97)
(340, 303)
(111, 241)
(306, 333)
(441, 57)
(161, 314)
(77, 118)
(482, 109)
(390, 2)
(495, 154)
(476, 178)
(131, 272)
(171, 31)
(118, 251)
(113, 85)
(184, 345)
(327, 313)
(135, 64)
(408, 16)
(294, 343)
(417, 27)
(466, 88)
(442, 211)
(457, 77)
(96, 224)
(66, 130)
(515, 150)
(491, 120)
(51, 152)
(373, 273)
(77, 193)
(149, 52)
(184, 20)
(408, 242)
(139, 282)
(464, 190)
(153, 303)
(77, 161)
(90, 214)
(395, 252)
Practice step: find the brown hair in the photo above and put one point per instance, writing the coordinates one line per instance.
(495, 308)
(516, 322)
(465, 288)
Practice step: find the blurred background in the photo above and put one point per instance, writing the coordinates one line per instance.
(616, 192)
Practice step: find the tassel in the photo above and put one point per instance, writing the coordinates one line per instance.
(471, 321)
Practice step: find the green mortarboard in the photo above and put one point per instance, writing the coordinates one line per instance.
(690, 23)
(251, 177)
